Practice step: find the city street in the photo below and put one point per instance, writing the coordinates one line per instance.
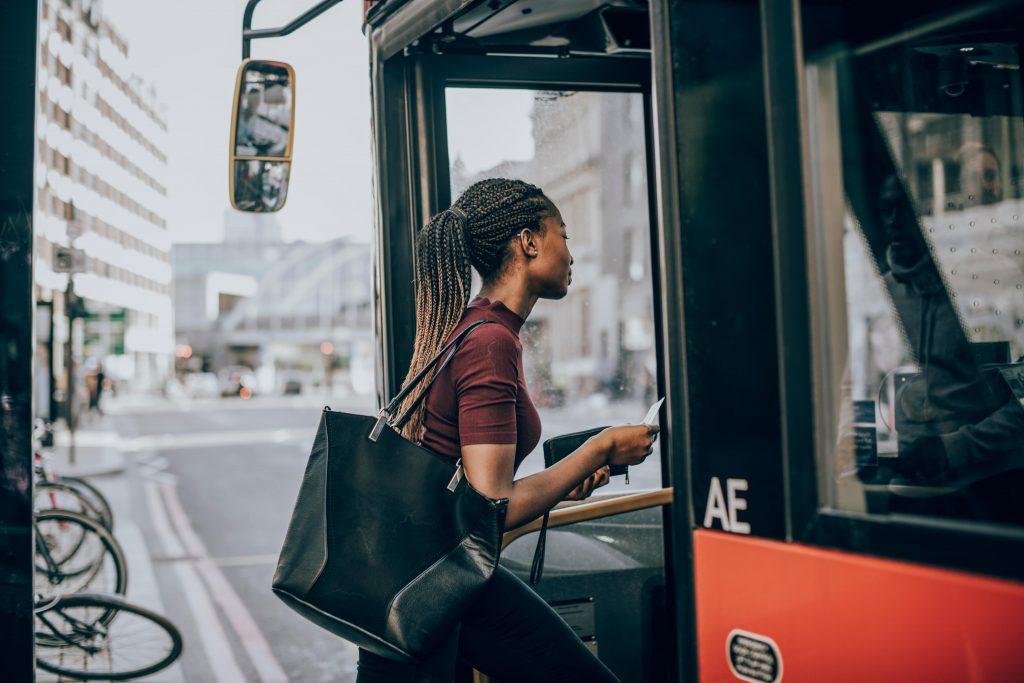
(210, 483)
(212, 487)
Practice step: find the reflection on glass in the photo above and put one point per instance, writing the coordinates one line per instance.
(264, 111)
(917, 154)
(590, 357)
(260, 186)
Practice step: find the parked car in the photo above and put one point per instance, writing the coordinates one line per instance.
(201, 385)
(237, 380)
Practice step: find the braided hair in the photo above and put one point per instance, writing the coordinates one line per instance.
(477, 231)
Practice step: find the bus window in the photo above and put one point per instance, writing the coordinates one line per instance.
(917, 262)
(590, 358)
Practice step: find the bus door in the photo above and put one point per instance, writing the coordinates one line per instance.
(579, 129)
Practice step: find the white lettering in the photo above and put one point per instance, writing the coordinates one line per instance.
(716, 506)
(736, 503)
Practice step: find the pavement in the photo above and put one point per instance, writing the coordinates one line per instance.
(94, 450)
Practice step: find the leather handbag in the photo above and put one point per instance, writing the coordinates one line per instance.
(388, 542)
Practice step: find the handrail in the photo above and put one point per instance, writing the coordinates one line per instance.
(611, 504)
(249, 34)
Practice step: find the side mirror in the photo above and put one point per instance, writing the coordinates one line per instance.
(261, 136)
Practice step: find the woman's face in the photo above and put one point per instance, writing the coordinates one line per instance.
(551, 270)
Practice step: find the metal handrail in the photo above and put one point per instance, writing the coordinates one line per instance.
(249, 34)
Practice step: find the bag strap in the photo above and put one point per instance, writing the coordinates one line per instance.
(538, 554)
(387, 411)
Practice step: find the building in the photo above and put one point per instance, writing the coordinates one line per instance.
(101, 188)
(294, 312)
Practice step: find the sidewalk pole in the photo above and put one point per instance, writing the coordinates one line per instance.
(69, 297)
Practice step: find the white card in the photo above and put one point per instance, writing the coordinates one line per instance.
(652, 414)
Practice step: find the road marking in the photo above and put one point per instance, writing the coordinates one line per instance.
(211, 634)
(171, 545)
(244, 560)
(245, 627)
(175, 442)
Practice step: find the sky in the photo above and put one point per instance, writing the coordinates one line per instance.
(486, 127)
(190, 50)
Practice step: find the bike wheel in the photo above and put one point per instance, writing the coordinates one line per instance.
(95, 498)
(74, 553)
(72, 639)
(48, 496)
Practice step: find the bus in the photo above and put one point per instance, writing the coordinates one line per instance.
(800, 221)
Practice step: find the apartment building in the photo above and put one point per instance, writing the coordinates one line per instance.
(101, 179)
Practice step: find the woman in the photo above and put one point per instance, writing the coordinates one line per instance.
(477, 408)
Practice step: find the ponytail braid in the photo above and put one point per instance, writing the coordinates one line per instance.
(476, 232)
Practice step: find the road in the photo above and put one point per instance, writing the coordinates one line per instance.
(212, 487)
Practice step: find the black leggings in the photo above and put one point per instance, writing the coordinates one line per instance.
(508, 633)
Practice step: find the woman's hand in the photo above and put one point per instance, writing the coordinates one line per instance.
(587, 486)
(628, 444)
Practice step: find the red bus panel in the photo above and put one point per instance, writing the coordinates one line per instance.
(829, 616)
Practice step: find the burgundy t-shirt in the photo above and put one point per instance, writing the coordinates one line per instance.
(481, 396)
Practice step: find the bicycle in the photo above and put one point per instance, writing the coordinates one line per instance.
(74, 553)
(94, 636)
(87, 499)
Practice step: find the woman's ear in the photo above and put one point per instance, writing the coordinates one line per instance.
(528, 240)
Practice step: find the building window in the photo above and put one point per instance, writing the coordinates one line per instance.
(63, 73)
(64, 29)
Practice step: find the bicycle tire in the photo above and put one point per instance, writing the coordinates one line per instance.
(110, 545)
(117, 605)
(95, 496)
(83, 505)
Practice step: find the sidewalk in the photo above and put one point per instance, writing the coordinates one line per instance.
(98, 449)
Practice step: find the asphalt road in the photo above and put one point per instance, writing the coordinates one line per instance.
(213, 483)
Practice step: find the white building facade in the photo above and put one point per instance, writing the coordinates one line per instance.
(101, 188)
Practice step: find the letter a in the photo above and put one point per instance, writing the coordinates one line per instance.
(716, 506)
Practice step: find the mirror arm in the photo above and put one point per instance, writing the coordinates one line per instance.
(249, 34)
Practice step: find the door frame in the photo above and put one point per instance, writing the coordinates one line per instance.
(412, 158)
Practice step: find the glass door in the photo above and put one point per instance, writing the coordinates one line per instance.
(591, 358)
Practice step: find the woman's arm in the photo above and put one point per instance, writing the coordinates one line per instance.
(490, 468)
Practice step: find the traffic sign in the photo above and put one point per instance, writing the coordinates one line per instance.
(68, 260)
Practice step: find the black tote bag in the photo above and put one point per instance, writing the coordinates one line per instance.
(388, 541)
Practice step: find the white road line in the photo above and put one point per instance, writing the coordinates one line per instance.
(226, 438)
(244, 560)
(245, 627)
(171, 545)
(214, 639)
(211, 634)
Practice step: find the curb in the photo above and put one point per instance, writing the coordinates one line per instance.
(115, 464)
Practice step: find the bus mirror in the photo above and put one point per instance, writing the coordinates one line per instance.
(258, 185)
(261, 135)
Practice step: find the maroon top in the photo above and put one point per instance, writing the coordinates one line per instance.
(480, 396)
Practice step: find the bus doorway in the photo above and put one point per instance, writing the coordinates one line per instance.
(469, 102)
